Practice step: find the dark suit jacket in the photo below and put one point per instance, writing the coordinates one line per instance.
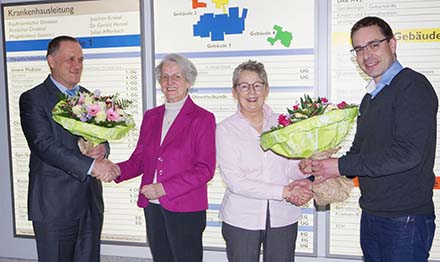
(59, 187)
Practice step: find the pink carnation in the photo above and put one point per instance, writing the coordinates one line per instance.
(324, 100)
(295, 107)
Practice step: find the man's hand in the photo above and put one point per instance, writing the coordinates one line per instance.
(325, 169)
(153, 191)
(298, 192)
(305, 166)
(97, 152)
(105, 170)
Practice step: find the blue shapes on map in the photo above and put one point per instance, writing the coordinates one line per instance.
(217, 25)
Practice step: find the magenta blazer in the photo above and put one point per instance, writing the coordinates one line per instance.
(185, 161)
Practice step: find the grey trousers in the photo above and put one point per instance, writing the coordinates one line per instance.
(244, 245)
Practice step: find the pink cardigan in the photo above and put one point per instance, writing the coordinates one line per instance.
(185, 161)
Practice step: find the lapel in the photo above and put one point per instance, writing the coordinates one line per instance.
(53, 93)
(156, 125)
(182, 120)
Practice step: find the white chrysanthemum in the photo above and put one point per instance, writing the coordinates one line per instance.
(102, 106)
(100, 116)
(88, 99)
(77, 110)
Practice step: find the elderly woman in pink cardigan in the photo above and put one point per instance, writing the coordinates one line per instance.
(175, 155)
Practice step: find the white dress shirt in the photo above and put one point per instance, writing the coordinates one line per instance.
(253, 177)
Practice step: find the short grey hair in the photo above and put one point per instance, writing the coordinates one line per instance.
(189, 71)
(252, 66)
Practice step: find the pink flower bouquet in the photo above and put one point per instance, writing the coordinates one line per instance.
(94, 117)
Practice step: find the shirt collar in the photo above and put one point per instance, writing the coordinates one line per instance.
(373, 89)
(62, 88)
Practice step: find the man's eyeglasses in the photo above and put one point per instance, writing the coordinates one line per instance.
(174, 78)
(245, 87)
(372, 46)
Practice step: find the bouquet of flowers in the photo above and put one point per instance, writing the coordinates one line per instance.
(310, 127)
(313, 129)
(94, 117)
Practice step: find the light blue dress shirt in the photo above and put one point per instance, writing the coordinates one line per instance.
(385, 80)
(62, 88)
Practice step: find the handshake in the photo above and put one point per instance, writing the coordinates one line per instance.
(103, 169)
(298, 192)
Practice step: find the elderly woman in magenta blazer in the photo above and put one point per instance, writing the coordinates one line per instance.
(176, 156)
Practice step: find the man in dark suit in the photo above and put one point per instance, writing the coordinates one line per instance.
(65, 196)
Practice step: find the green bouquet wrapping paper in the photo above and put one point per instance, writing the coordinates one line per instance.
(309, 136)
(90, 132)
